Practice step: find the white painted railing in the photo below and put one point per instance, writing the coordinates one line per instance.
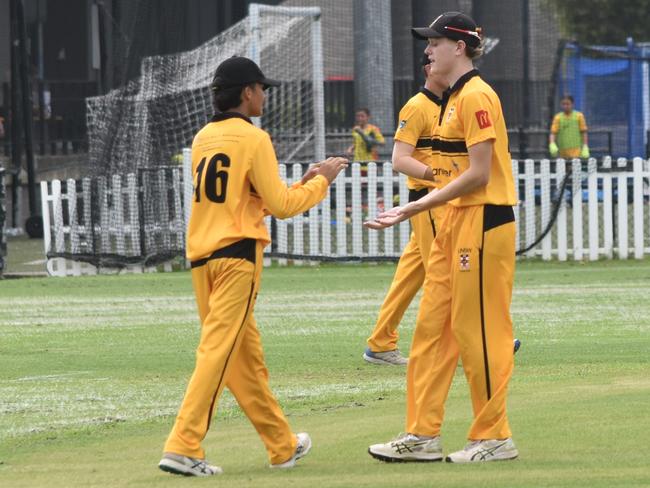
(604, 213)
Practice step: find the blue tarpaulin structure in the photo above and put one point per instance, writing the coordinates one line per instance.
(610, 86)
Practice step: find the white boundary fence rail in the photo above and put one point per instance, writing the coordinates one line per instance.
(605, 213)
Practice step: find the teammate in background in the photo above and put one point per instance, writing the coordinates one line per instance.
(568, 135)
(412, 148)
(366, 138)
(236, 183)
(465, 306)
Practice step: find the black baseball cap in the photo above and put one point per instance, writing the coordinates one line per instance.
(239, 71)
(452, 25)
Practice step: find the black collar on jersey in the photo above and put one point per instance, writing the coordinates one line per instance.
(431, 96)
(218, 117)
(460, 82)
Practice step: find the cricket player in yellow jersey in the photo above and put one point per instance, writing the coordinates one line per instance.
(465, 307)
(236, 182)
(411, 155)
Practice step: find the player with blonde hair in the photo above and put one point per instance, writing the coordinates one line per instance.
(465, 307)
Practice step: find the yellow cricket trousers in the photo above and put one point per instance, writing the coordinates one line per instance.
(230, 354)
(409, 276)
(465, 309)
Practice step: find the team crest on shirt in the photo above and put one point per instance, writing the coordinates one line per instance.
(463, 258)
(402, 124)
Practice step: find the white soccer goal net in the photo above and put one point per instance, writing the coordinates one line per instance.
(147, 122)
(137, 132)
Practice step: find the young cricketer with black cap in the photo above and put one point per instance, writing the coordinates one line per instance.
(236, 184)
(411, 155)
(465, 307)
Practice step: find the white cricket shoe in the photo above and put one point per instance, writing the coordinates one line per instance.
(187, 466)
(393, 357)
(302, 448)
(408, 448)
(485, 450)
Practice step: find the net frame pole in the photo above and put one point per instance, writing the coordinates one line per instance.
(254, 48)
(318, 82)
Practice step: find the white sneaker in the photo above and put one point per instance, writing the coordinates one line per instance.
(187, 466)
(485, 450)
(408, 448)
(393, 357)
(302, 448)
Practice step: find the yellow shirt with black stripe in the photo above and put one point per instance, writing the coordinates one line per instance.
(236, 182)
(361, 150)
(417, 121)
(472, 114)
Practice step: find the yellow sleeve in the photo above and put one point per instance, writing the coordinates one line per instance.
(478, 115)
(555, 125)
(582, 122)
(282, 202)
(411, 124)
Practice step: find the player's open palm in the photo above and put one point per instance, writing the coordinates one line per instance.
(388, 218)
(331, 167)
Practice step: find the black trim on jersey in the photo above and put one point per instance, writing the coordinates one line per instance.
(454, 147)
(417, 194)
(496, 215)
(460, 82)
(218, 117)
(225, 365)
(242, 249)
(424, 142)
(431, 96)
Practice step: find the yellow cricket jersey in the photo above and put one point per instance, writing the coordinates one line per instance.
(417, 121)
(472, 114)
(236, 180)
(361, 151)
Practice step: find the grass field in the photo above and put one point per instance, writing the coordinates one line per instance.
(93, 369)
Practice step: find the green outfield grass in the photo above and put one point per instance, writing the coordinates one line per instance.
(92, 370)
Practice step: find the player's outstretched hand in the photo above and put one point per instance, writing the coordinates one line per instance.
(389, 218)
(331, 167)
(310, 173)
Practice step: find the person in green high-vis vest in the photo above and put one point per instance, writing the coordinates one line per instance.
(568, 137)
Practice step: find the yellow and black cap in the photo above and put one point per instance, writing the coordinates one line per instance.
(452, 25)
(239, 71)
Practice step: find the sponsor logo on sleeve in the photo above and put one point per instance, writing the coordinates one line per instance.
(402, 124)
(483, 118)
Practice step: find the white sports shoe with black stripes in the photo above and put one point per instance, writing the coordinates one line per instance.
(408, 448)
(303, 446)
(485, 450)
(187, 466)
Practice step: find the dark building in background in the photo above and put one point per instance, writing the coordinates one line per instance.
(81, 48)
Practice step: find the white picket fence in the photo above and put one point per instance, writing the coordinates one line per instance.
(606, 215)
(108, 221)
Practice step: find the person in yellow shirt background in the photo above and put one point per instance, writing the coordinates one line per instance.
(568, 137)
(366, 138)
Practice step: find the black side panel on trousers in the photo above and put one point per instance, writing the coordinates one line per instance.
(241, 327)
(486, 363)
(244, 249)
(496, 215)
